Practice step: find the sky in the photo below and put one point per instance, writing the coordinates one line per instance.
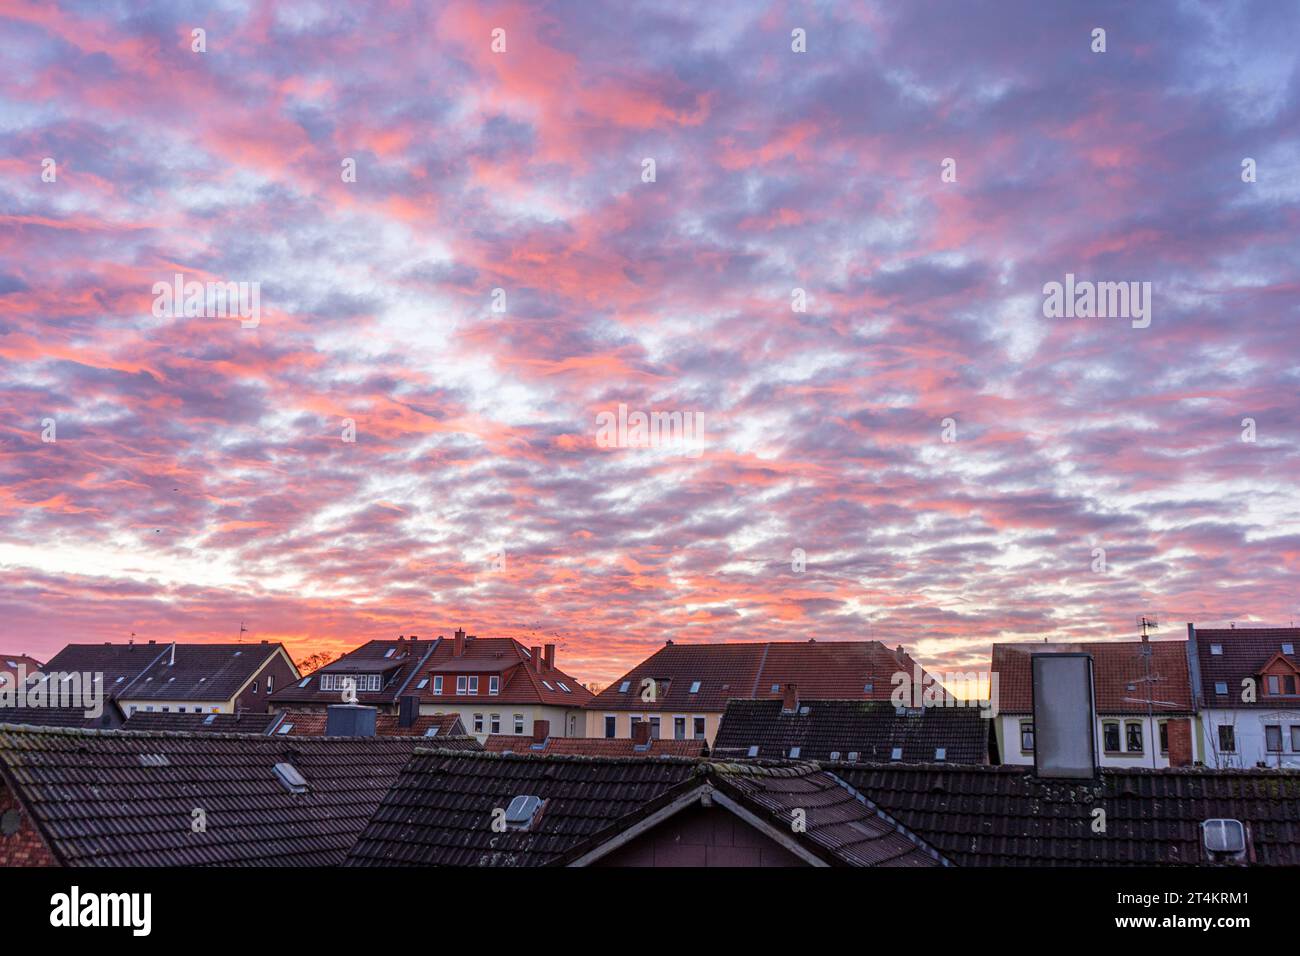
(463, 259)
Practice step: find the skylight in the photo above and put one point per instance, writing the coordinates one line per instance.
(853, 756)
(288, 775)
(304, 682)
(1221, 687)
(424, 682)
(776, 688)
(390, 652)
(522, 812)
(548, 685)
(622, 688)
(1288, 648)
(208, 720)
(940, 753)
(1224, 836)
(896, 753)
(753, 751)
(564, 687)
(154, 760)
(695, 687)
(794, 751)
(835, 755)
(868, 687)
(1216, 649)
(285, 728)
(431, 732)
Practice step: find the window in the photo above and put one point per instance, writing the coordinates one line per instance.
(776, 688)
(1273, 738)
(868, 687)
(1027, 736)
(1216, 650)
(1295, 739)
(478, 723)
(940, 754)
(753, 751)
(302, 683)
(1133, 737)
(254, 685)
(424, 682)
(695, 687)
(654, 727)
(563, 686)
(366, 682)
(548, 685)
(462, 683)
(1164, 736)
(494, 685)
(1110, 736)
(473, 684)
(611, 722)
(699, 728)
(1220, 686)
(1288, 648)
(632, 721)
(496, 723)
(389, 652)
(794, 752)
(1274, 685)
(519, 723)
(437, 685)
(1227, 739)
(895, 754)
(622, 688)
(679, 728)
(284, 728)
(270, 683)
(522, 811)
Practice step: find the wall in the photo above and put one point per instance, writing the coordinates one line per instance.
(25, 847)
(702, 837)
(1008, 735)
(1248, 726)
(623, 723)
(257, 703)
(558, 717)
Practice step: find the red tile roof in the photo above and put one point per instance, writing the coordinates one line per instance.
(826, 669)
(1121, 680)
(1246, 650)
(521, 681)
(595, 746)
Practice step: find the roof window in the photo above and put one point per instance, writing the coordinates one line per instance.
(695, 687)
(289, 776)
(1224, 838)
(522, 812)
(1216, 650)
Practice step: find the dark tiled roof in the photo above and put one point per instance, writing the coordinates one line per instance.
(201, 672)
(441, 810)
(1120, 675)
(312, 724)
(202, 723)
(827, 669)
(9, 664)
(62, 717)
(871, 729)
(1006, 816)
(595, 746)
(118, 798)
(521, 681)
(1246, 650)
(395, 660)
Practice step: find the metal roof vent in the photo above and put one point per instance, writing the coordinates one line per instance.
(1224, 839)
(288, 775)
(522, 812)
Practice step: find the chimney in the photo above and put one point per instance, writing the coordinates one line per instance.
(1065, 719)
(408, 709)
(791, 702)
(641, 733)
(536, 651)
(550, 657)
(1179, 731)
(350, 720)
(541, 730)
(173, 660)
(458, 646)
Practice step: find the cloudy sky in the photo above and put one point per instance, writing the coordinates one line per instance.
(198, 474)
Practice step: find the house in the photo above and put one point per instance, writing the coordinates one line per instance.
(377, 673)
(487, 809)
(299, 723)
(1247, 682)
(499, 686)
(109, 718)
(1007, 816)
(851, 730)
(542, 742)
(165, 798)
(12, 665)
(240, 723)
(181, 678)
(1141, 688)
(682, 689)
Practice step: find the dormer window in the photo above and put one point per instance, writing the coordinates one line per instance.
(1216, 650)
(462, 684)
(494, 684)
(437, 685)
(473, 683)
(1281, 685)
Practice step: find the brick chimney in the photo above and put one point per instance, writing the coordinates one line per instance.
(541, 730)
(641, 732)
(1179, 732)
(791, 703)
(408, 710)
(550, 657)
(536, 652)
(458, 643)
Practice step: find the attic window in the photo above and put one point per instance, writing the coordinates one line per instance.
(288, 775)
(237, 653)
(776, 688)
(896, 753)
(868, 687)
(1224, 836)
(119, 680)
(1221, 687)
(424, 682)
(794, 752)
(154, 760)
(208, 720)
(564, 687)
(431, 732)
(1288, 648)
(695, 687)
(389, 652)
(940, 753)
(1216, 649)
(853, 756)
(805, 710)
(622, 688)
(304, 682)
(522, 812)
(753, 751)
(285, 728)
(548, 685)
(12, 663)
(835, 755)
